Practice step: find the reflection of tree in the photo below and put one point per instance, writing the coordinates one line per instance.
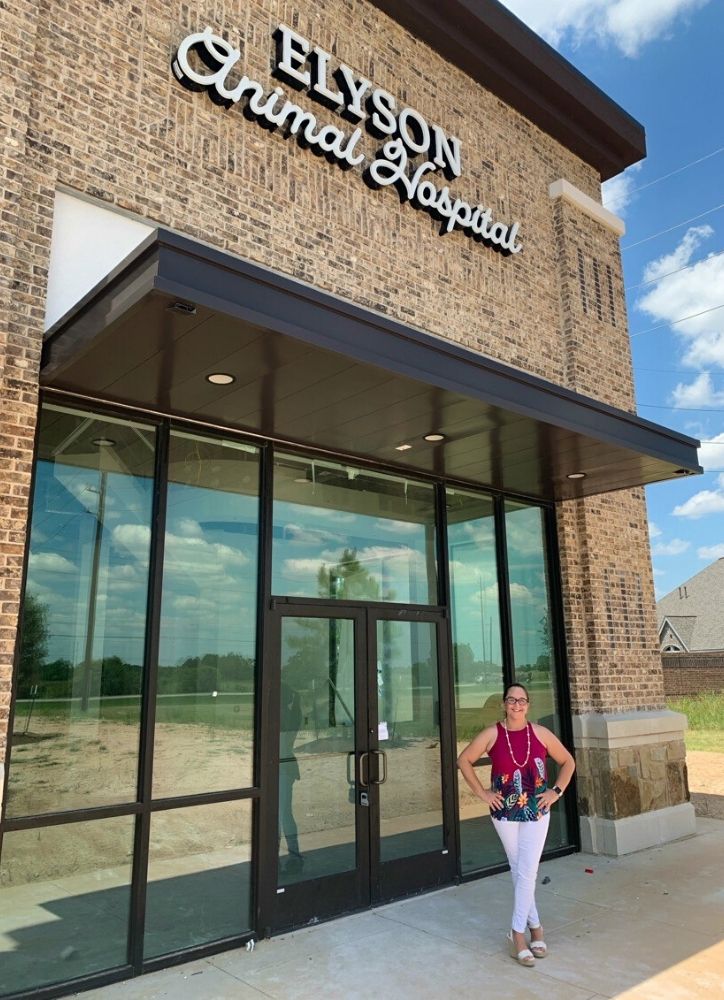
(346, 580)
(349, 580)
(544, 637)
(34, 641)
(226, 672)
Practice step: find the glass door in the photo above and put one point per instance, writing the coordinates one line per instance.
(411, 773)
(322, 850)
(362, 805)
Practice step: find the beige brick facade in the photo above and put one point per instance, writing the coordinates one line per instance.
(93, 108)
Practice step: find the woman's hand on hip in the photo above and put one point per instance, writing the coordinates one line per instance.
(547, 799)
(493, 798)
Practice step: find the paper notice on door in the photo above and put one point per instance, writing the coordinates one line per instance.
(382, 731)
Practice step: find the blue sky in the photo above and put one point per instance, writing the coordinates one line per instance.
(662, 61)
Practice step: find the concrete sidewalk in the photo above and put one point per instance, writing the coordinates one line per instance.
(648, 926)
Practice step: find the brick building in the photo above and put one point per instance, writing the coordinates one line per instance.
(318, 427)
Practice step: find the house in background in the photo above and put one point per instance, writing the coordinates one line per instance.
(691, 617)
(691, 634)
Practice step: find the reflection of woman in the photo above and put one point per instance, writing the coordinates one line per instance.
(291, 719)
(520, 803)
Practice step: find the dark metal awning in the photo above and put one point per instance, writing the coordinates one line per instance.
(318, 371)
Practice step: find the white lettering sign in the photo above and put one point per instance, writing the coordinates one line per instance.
(406, 132)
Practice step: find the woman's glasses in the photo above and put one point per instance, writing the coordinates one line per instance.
(516, 701)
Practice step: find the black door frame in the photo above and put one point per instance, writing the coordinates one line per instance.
(372, 881)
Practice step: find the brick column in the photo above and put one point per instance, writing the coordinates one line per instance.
(632, 781)
(22, 281)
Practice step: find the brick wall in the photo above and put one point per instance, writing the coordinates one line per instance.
(692, 673)
(93, 107)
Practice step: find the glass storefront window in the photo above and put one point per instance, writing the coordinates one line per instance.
(77, 713)
(531, 625)
(204, 737)
(344, 532)
(199, 876)
(477, 655)
(64, 902)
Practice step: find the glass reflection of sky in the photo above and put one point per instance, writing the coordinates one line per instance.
(60, 566)
(391, 553)
(528, 582)
(474, 587)
(210, 573)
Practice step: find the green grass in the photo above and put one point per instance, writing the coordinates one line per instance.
(705, 713)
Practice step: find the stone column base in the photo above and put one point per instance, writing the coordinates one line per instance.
(632, 780)
(624, 836)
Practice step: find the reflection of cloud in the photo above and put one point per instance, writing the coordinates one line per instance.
(190, 602)
(50, 562)
(187, 527)
(522, 594)
(297, 534)
(335, 516)
(462, 573)
(302, 567)
(397, 527)
(183, 555)
(479, 531)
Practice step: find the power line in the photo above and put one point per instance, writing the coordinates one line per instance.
(678, 170)
(675, 322)
(690, 409)
(675, 371)
(668, 274)
(678, 225)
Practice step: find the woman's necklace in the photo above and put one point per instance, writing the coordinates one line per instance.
(510, 749)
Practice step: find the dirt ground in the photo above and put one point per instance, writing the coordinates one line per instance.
(706, 782)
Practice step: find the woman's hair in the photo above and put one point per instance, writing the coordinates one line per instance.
(516, 684)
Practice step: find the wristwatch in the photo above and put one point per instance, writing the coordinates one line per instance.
(558, 791)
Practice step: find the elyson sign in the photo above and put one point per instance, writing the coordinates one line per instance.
(406, 134)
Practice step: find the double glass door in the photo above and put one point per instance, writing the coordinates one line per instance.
(364, 812)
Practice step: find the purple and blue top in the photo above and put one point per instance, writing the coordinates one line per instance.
(519, 786)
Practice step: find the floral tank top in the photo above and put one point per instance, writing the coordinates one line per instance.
(519, 786)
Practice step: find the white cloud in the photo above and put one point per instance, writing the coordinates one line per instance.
(711, 454)
(50, 562)
(617, 192)
(700, 392)
(628, 24)
(673, 548)
(694, 292)
(711, 552)
(654, 530)
(701, 504)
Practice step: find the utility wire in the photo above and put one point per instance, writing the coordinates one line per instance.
(678, 225)
(675, 371)
(674, 322)
(668, 274)
(691, 409)
(678, 170)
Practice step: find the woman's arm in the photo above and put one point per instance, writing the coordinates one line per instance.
(466, 761)
(562, 757)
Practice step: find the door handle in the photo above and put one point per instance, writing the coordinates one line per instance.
(381, 754)
(363, 760)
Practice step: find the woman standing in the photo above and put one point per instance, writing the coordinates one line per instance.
(520, 802)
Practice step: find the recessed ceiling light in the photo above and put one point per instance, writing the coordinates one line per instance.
(434, 437)
(576, 475)
(220, 378)
(103, 442)
(403, 447)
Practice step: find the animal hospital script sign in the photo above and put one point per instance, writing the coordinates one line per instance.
(205, 60)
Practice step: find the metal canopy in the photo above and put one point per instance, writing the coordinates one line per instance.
(318, 371)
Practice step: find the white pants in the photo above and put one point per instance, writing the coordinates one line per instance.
(523, 843)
